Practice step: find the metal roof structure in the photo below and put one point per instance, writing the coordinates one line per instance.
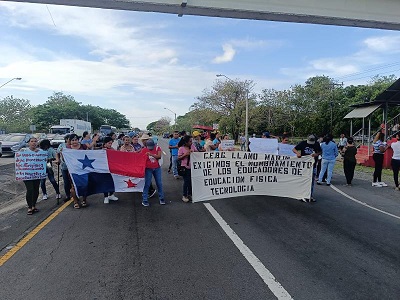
(362, 112)
(389, 97)
(383, 14)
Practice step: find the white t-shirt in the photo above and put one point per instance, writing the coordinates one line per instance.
(396, 150)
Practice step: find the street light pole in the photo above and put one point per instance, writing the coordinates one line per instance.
(246, 128)
(173, 113)
(17, 78)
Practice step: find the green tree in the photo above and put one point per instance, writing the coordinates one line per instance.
(225, 104)
(15, 114)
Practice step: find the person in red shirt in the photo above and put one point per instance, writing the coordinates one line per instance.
(153, 168)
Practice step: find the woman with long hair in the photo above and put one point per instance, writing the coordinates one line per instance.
(32, 186)
(396, 161)
(185, 149)
(379, 149)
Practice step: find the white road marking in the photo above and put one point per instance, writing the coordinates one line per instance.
(269, 279)
(363, 203)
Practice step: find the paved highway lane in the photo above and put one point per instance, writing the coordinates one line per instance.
(335, 248)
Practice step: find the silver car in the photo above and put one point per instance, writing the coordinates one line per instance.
(14, 142)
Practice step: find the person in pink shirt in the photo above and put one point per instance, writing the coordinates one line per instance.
(185, 149)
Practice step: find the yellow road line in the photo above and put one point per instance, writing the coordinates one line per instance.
(31, 234)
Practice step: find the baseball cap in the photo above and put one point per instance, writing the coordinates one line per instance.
(266, 134)
(150, 144)
(311, 139)
(196, 133)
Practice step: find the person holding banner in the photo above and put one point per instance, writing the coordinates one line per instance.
(63, 166)
(107, 145)
(185, 149)
(76, 145)
(32, 186)
(309, 147)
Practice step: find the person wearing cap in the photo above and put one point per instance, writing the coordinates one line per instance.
(197, 140)
(153, 168)
(309, 147)
(173, 146)
(144, 138)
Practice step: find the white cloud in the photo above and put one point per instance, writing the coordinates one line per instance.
(383, 44)
(227, 56)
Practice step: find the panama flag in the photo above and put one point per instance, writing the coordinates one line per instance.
(102, 171)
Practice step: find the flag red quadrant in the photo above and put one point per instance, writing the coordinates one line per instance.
(126, 163)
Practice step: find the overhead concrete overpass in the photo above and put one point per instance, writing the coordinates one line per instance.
(384, 14)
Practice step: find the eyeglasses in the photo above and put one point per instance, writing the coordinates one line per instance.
(75, 139)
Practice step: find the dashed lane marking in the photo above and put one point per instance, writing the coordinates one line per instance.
(269, 279)
(363, 203)
(31, 234)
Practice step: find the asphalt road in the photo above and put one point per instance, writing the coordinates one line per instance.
(336, 248)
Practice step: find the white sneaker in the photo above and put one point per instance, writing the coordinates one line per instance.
(376, 184)
(112, 197)
(44, 197)
(382, 183)
(58, 196)
(185, 199)
(106, 200)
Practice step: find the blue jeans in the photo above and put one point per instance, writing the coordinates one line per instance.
(327, 164)
(50, 175)
(314, 173)
(175, 165)
(67, 183)
(187, 183)
(149, 173)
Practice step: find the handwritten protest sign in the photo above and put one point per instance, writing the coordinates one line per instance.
(30, 165)
(231, 174)
(228, 145)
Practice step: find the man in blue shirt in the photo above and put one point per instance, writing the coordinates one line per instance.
(173, 146)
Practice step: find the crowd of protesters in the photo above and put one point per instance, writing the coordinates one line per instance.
(324, 151)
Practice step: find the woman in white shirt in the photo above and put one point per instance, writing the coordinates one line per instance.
(396, 161)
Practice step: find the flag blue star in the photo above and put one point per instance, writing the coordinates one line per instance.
(86, 162)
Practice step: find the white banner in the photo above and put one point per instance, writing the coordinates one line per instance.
(217, 175)
(261, 145)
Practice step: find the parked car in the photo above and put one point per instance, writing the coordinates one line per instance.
(3, 136)
(14, 142)
(1, 150)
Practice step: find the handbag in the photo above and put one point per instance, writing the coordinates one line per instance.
(182, 169)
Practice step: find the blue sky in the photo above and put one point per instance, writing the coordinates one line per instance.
(138, 63)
